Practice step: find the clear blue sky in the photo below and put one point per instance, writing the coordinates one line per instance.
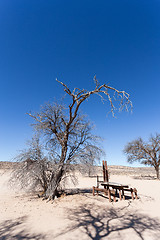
(40, 41)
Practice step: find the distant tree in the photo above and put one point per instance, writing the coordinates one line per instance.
(68, 134)
(145, 153)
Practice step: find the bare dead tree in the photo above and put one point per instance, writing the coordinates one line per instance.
(145, 153)
(68, 133)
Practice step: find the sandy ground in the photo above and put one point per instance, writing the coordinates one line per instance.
(81, 216)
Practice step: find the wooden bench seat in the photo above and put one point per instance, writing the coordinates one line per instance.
(106, 191)
(132, 191)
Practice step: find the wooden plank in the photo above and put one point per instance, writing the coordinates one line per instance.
(115, 185)
(106, 172)
(103, 171)
(128, 189)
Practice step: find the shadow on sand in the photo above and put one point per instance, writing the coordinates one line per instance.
(94, 222)
(100, 222)
(14, 229)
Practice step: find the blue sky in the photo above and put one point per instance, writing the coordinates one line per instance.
(40, 41)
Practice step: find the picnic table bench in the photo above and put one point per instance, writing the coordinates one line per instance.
(112, 188)
(120, 188)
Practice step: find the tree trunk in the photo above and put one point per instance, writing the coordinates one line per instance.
(157, 171)
(52, 191)
(57, 176)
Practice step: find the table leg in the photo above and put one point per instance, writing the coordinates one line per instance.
(132, 195)
(120, 195)
(135, 191)
(123, 194)
(116, 192)
(106, 191)
(109, 195)
(114, 197)
(93, 191)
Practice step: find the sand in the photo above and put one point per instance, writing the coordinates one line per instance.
(81, 215)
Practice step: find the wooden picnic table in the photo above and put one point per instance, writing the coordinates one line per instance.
(112, 188)
(117, 186)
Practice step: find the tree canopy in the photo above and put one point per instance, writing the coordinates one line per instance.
(147, 153)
